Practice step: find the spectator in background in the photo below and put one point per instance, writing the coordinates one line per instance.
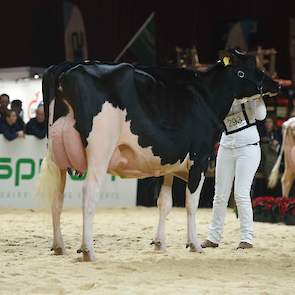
(9, 126)
(16, 106)
(36, 126)
(4, 102)
(270, 145)
(270, 134)
(292, 113)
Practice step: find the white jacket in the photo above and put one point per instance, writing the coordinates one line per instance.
(235, 120)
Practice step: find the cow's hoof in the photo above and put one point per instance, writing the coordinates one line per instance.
(87, 254)
(194, 247)
(158, 245)
(58, 250)
(88, 257)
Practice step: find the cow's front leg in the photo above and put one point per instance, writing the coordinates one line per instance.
(89, 205)
(56, 209)
(191, 204)
(164, 204)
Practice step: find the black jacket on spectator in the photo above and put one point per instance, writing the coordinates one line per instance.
(9, 131)
(2, 115)
(20, 122)
(36, 128)
(269, 136)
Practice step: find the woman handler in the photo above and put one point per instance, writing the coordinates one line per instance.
(238, 159)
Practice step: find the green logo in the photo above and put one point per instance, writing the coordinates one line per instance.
(6, 170)
(19, 168)
(76, 177)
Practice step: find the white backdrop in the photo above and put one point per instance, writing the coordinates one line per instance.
(19, 167)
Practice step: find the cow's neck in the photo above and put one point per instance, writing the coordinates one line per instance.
(217, 90)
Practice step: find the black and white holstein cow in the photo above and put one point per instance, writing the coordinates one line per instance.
(137, 123)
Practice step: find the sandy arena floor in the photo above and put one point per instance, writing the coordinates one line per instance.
(127, 264)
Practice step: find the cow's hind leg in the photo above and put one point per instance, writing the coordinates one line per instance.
(191, 204)
(56, 209)
(287, 182)
(90, 188)
(164, 204)
(102, 142)
(97, 167)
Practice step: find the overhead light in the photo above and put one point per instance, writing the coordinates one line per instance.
(36, 76)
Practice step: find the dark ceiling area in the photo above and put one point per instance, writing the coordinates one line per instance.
(32, 31)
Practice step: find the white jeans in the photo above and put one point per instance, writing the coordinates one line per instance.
(239, 164)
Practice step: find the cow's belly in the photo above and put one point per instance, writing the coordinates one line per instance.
(129, 163)
(132, 161)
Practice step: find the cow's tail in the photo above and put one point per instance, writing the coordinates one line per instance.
(274, 175)
(49, 183)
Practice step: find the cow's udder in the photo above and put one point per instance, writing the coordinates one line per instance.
(67, 147)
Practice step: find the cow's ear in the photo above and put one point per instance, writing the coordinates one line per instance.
(226, 58)
(226, 61)
(230, 57)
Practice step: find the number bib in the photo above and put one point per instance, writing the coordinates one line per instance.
(235, 122)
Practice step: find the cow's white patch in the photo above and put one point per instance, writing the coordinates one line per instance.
(129, 159)
(289, 123)
(50, 122)
(51, 112)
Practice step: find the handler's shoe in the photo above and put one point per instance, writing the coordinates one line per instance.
(209, 244)
(245, 245)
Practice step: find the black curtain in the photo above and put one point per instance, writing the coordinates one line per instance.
(32, 30)
(111, 24)
(31, 33)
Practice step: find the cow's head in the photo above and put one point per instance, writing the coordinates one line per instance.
(245, 78)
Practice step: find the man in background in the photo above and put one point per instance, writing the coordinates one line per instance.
(36, 126)
(4, 102)
(16, 106)
(9, 126)
(271, 140)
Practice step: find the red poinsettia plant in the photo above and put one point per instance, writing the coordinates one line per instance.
(289, 216)
(263, 209)
(274, 209)
(265, 202)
